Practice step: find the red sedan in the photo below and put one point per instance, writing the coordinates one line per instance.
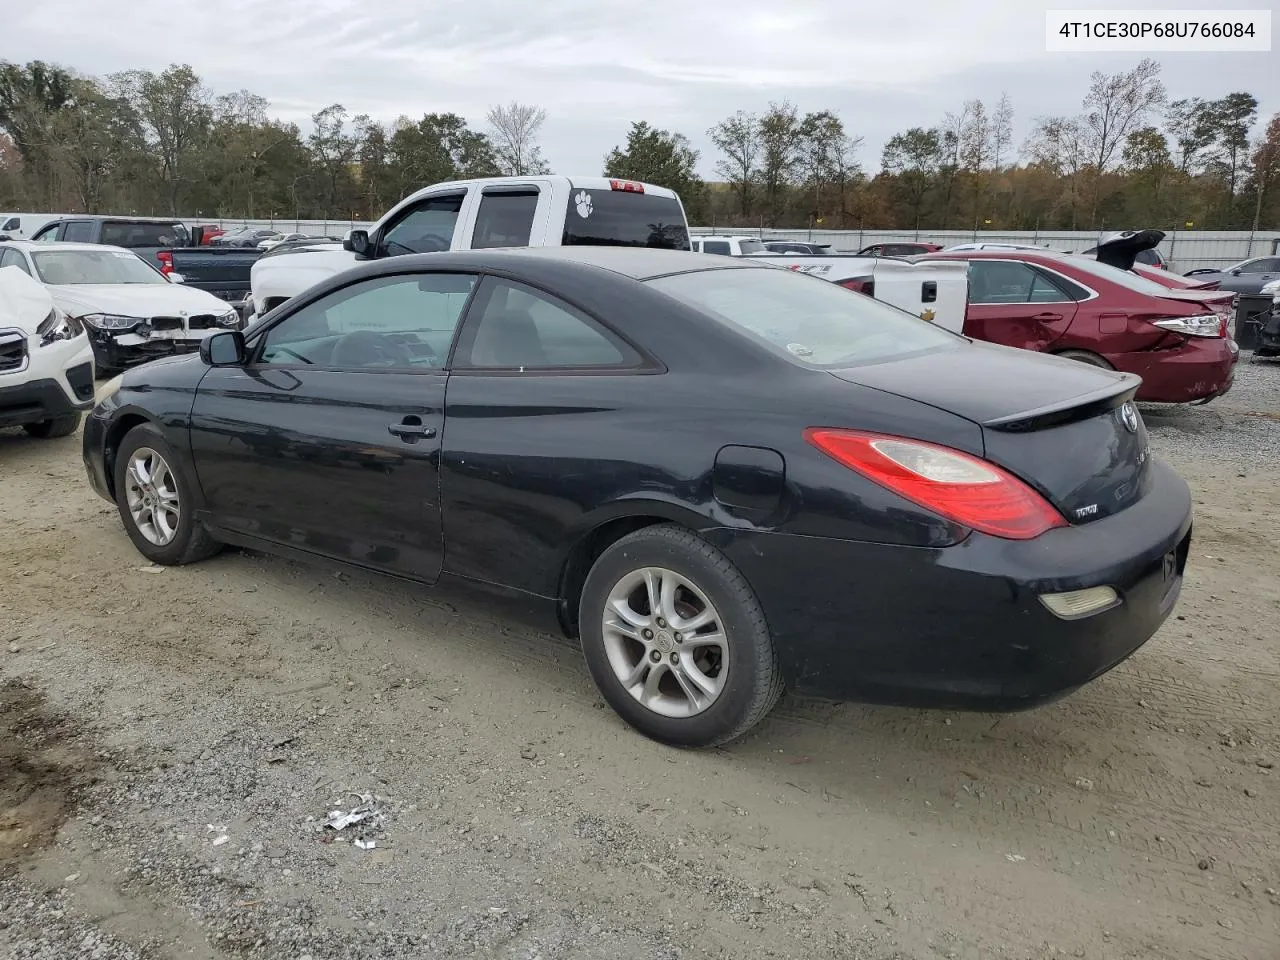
(1176, 339)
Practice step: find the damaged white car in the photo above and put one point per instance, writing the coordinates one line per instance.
(46, 364)
(132, 312)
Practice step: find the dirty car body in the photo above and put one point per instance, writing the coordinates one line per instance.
(709, 403)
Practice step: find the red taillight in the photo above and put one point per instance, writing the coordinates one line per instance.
(627, 186)
(972, 492)
(866, 285)
(166, 262)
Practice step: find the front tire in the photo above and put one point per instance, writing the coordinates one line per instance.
(156, 500)
(63, 426)
(676, 640)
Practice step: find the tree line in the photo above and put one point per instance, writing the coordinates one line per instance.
(163, 144)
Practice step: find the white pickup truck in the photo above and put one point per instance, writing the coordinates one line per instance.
(562, 211)
(475, 214)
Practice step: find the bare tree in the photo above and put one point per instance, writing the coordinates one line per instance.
(738, 138)
(780, 148)
(513, 130)
(1059, 144)
(1116, 105)
(1001, 131)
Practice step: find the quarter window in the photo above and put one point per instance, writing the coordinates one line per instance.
(716, 246)
(426, 228)
(517, 327)
(77, 231)
(400, 322)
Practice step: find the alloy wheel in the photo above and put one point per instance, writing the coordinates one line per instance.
(151, 492)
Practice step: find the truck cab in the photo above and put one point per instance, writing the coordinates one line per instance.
(538, 211)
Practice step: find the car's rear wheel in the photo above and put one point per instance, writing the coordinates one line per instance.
(676, 640)
(1084, 356)
(155, 500)
(63, 426)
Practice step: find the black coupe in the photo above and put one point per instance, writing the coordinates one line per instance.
(724, 477)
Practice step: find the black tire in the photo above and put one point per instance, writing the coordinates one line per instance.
(191, 541)
(753, 682)
(63, 426)
(1084, 356)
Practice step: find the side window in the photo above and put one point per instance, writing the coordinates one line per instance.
(78, 231)
(425, 228)
(400, 322)
(47, 234)
(1270, 265)
(139, 235)
(1006, 281)
(505, 219)
(515, 327)
(716, 246)
(13, 223)
(12, 258)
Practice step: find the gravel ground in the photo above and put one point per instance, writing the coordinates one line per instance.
(172, 743)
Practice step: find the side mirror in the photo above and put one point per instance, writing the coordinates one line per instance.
(1236, 273)
(177, 278)
(357, 241)
(223, 349)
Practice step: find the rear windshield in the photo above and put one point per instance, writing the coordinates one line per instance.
(617, 218)
(752, 246)
(806, 319)
(132, 235)
(1124, 278)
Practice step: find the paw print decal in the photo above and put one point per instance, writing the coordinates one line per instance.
(583, 202)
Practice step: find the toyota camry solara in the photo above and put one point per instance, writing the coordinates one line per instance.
(723, 477)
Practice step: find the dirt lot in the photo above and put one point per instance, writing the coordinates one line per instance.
(146, 715)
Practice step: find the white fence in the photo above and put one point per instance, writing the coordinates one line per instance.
(1185, 250)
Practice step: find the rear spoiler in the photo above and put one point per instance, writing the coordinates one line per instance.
(1079, 407)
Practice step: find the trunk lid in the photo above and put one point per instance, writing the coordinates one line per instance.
(1068, 429)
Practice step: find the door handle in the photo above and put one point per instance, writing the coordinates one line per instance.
(1047, 316)
(411, 429)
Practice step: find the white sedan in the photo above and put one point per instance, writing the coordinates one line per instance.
(131, 311)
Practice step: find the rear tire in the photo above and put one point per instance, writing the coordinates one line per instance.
(63, 426)
(696, 666)
(156, 500)
(1084, 356)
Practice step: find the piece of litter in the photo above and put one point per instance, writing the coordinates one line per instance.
(340, 821)
(220, 840)
(151, 569)
(72, 879)
(365, 844)
(1014, 857)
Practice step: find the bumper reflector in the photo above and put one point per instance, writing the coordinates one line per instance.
(1080, 603)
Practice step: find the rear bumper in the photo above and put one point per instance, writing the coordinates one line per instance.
(1199, 369)
(963, 626)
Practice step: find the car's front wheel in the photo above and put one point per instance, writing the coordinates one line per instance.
(156, 501)
(63, 426)
(676, 640)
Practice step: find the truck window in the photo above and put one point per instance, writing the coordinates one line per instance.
(746, 247)
(13, 223)
(618, 218)
(716, 246)
(137, 235)
(77, 231)
(426, 227)
(505, 219)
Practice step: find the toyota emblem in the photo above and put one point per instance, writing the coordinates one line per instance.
(1129, 417)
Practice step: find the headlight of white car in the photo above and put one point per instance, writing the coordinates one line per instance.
(110, 321)
(58, 326)
(229, 319)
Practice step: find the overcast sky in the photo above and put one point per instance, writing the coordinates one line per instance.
(596, 65)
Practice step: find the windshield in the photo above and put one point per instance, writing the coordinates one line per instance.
(67, 267)
(1124, 278)
(621, 218)
(806, 319)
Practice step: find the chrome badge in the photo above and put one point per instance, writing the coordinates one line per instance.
(1129, 417)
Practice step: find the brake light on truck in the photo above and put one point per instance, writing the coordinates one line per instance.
(627, 186)
(166, 262)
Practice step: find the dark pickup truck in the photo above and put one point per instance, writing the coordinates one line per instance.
(222, 271)
(169, 246)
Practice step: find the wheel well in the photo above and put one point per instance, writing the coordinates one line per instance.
(573, 576)
(1068, 351)
(115, 435)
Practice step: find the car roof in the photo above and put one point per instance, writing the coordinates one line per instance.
(726, 236)
(636, 263)
(166, 221)
(35, 246)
